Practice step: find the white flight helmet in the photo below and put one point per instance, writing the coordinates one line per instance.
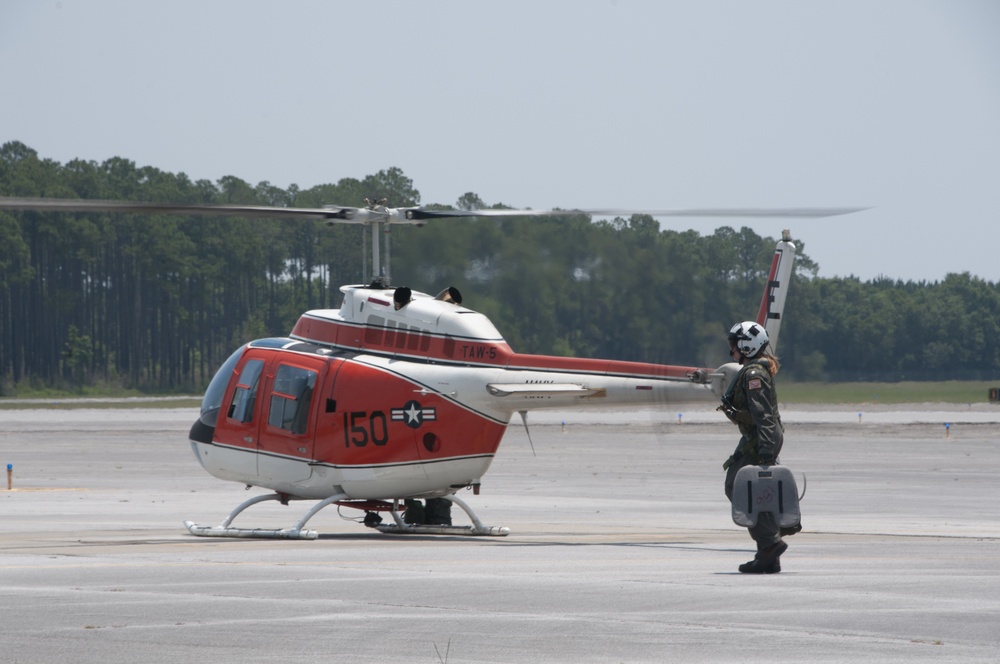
(748, 337)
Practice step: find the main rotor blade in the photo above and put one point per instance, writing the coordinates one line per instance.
(136, 207)
(406, 215)
(804, 213)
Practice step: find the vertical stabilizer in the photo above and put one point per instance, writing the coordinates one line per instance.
(772, 304)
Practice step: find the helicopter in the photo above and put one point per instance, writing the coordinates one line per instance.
(400, 396)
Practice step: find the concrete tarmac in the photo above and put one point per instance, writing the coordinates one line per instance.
(621, 549)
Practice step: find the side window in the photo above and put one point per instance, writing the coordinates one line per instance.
(245, 395)
(290, 400)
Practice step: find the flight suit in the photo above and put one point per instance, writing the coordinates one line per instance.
(751, 403)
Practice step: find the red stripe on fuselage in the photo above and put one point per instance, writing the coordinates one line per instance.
(594, 366)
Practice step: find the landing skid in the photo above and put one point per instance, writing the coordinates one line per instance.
(225, 529)
(295, 532)
(400, 527)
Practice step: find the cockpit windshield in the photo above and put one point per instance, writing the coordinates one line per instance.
(212, 401)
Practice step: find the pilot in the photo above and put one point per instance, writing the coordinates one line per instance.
(751, 403)
(436, 511)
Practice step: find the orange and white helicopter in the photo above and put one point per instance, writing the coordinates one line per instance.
(402, 395)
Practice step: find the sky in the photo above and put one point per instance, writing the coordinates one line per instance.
(892, 105)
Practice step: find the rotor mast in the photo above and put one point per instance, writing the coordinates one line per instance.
(380, 225)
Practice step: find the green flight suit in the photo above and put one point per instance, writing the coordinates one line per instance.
(751, 402)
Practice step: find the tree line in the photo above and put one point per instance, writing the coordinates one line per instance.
(156, 303)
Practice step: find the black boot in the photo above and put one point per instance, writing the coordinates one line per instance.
(756, 566)
(438, 512)
(767, 561)
(414, 514)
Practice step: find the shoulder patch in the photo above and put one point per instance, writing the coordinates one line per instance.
(754, 384)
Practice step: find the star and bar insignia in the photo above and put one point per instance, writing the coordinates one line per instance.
(413, 414)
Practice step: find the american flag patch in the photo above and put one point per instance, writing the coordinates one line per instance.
(754, 384)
